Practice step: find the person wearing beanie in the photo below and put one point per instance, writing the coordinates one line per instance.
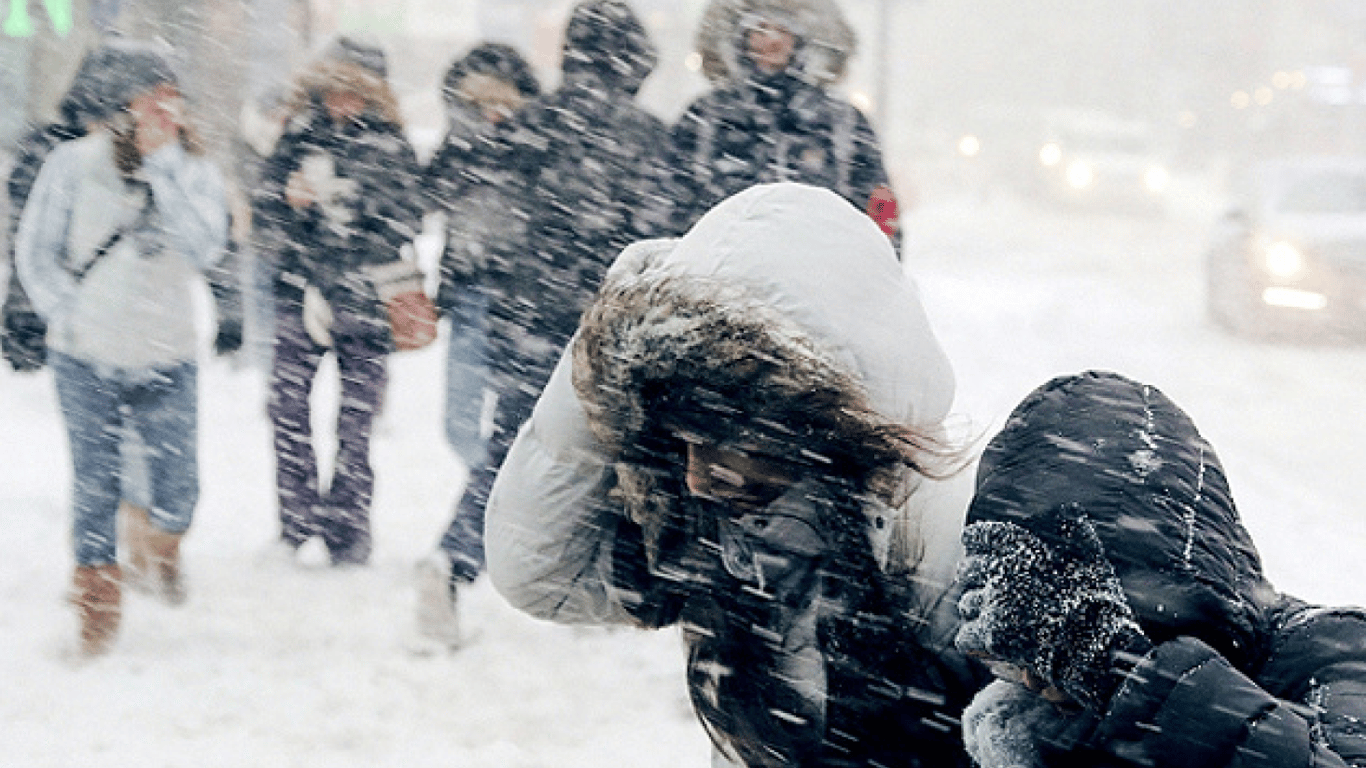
(118, 226)
(747, 440)
(1111, 586)
(595, 164)
(337, 202)
(475, 182)
(770, 116)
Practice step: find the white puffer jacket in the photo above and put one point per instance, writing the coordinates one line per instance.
(820, 264)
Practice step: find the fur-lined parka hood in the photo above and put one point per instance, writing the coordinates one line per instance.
(345, 65)
(826, 41)
(785, 321)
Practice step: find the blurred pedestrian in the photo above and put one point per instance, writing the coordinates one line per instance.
(1110, 584)
(22, 331)
(770, 116)
(595, 161)
(474, 181)
(117, 226)
(746, 439)
(339, 201)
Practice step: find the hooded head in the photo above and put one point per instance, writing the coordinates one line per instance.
(605, 39)
(111, 75)
(80, 105)
(824, 41)
(497, 62)
(1133, 462)
(364, 54)
(348, 65)
(781, 327)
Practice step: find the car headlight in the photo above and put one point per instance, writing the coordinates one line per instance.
(1080, 175)
(969, 146)
(1155, 179)
(1050, 154)
(1283, 259)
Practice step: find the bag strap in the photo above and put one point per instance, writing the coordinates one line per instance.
(144, 213)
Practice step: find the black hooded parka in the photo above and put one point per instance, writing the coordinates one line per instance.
(1240, 675)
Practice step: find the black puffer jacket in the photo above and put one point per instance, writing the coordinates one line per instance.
(597, 165)
(475, 179)
(1241, 675)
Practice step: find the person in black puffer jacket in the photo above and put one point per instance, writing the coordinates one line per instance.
(475, 181)
(595, 164)
(1109, 582)
(337, 202)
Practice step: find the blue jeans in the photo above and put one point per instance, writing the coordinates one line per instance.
(517, 375)
(467, 376)
(98, 405)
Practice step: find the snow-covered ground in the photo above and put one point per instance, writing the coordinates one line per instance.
(295, 664)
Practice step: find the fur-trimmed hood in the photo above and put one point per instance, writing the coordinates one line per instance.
(782, 323)
(348, 66)
(826, 41)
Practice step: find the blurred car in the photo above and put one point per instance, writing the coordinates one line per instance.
(1289, 256)
(1095, 159)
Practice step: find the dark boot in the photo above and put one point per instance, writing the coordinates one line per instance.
(96, 593)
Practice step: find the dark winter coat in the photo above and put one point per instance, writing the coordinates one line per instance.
(785, 309)
(373, 210)
(597, 164)
(754, 128)
(478, 180)
(1241, 675)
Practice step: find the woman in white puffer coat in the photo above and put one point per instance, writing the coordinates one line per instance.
(118, 227)
(746, 438)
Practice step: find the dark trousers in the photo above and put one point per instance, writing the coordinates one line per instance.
(340, 514)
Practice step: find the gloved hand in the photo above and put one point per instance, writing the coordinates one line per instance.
(229, 337)
(24, 341)
(1054, 609)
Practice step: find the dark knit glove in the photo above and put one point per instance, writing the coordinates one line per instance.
(228, 340)
(1054, 608)
(24, 340)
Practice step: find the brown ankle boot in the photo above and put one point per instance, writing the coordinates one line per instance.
(163, 561)
(136, 572)
(96, 594)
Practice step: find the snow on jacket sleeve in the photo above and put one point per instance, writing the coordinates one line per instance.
(1185, 705)
(548, 535)
(41, 238)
